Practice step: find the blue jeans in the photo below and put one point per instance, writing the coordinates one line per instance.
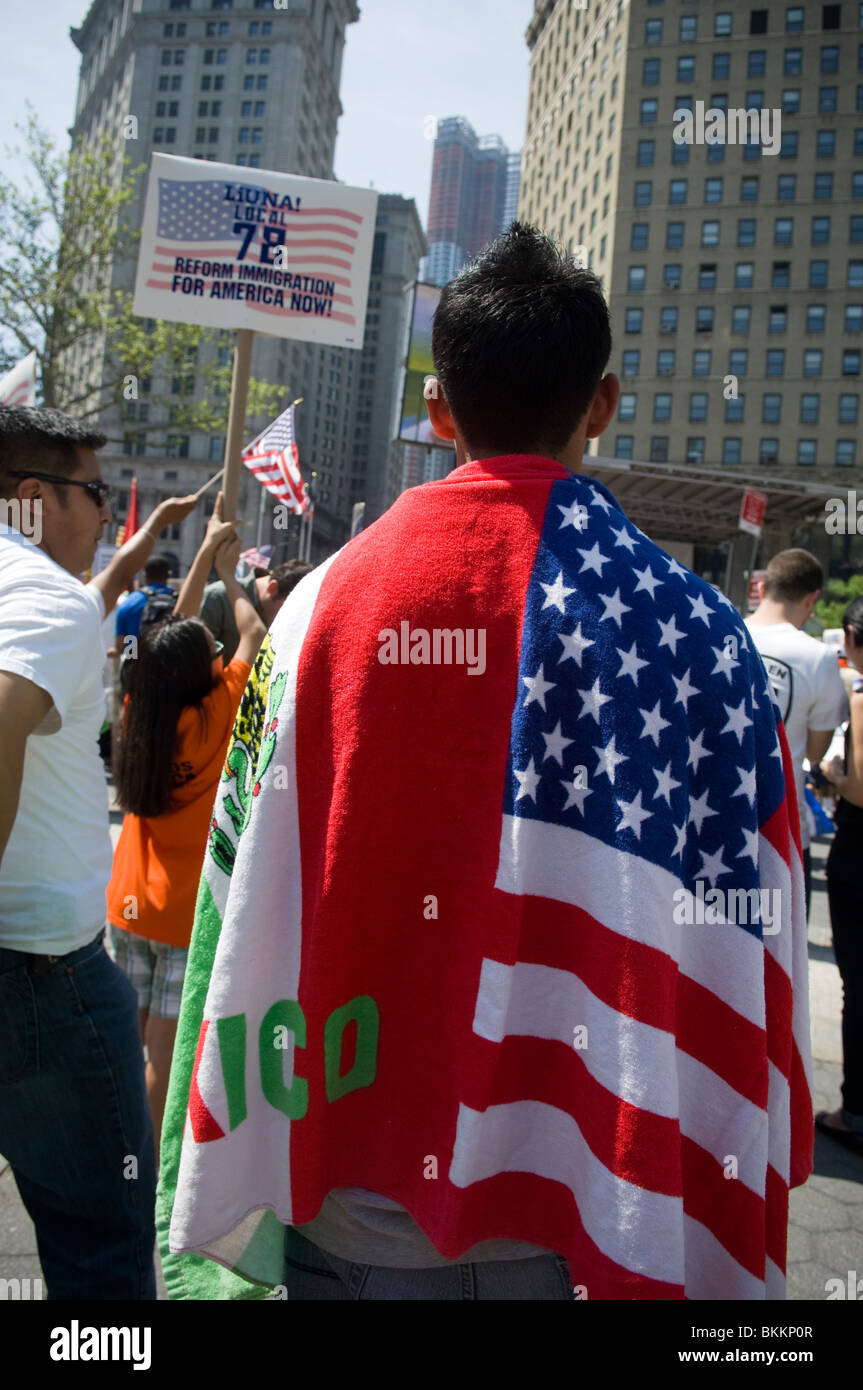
(74, 1120)
(310, 1273)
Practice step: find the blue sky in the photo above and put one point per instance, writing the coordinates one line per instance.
(405, 60)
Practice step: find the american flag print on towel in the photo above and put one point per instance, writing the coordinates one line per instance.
(542, 922)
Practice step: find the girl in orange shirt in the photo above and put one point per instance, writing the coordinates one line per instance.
(171, 745)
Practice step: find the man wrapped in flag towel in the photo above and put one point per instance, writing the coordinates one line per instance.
(500, 944)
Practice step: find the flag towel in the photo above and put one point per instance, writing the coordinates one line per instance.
(502, 914)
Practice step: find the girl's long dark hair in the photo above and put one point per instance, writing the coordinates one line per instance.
(173, 669)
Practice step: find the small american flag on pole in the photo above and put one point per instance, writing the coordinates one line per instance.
(275, 461)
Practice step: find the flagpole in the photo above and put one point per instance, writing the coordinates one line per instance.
(261, 503)
(236, 420)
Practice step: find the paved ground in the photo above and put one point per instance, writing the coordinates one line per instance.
(826, 1223)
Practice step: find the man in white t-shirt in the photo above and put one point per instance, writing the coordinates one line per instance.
(74, 1120)
(804, 674)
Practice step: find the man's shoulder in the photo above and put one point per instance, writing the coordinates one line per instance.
(24, 565)
(131, 602)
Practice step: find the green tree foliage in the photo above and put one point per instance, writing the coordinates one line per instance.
(838, 593)
(64, 228)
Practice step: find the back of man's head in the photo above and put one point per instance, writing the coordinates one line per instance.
(520, 342)
(42, 439)
(792, 575)
(157, 570)
(288, 575)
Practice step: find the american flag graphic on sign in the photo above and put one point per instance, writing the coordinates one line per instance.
(538, 914)
(275, 461)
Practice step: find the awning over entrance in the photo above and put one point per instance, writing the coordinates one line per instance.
(687, 503)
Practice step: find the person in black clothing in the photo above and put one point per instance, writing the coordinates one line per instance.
(843, 888)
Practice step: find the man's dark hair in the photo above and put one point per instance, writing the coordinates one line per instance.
(520, 341)
(44, 439)
(288, 575)
(791, 575)
(852, 619)
(157, 570)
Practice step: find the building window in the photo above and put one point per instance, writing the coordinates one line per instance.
(825, 145)
(853, 318)
(813, 359)
(709, 233)
(704, 318)
(855, 275)
(793, 64)
(722, 24)
(639, 236)
(636, 278)
(849, 407)
(643, 193)
(830, 58)
(820, 231)
(828, 99)
(671, 276)
(809, 408)
(794, 20)
(817, 275)
(650, 70)
(788, 147)
(738, 361)
(731, 449)
(746, 231)
(744, 275)
(630, 362)
(623, 446)
(653, 31)
(648, 112)
(771, 409)
(846, 453)
(777, 319)
(851, 362)
(783, 231)
(701, 362)
(791, 101)
(734, 410)
(786, 188)
(748, 190)
(806, 452)
(668, 320)
(713, 190)
(673, 236)
(626, 408)
(686, 69)
(754, 101)
(816, 318)
(698, 406)
(665, 362)
(634, 320)
(768, 451)
(707, 276)
(721, 65)
(756, 65)
(677, 191)
(646, 150)
(740, 318)
(775, 363)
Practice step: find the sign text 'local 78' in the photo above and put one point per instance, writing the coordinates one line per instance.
(228, 247)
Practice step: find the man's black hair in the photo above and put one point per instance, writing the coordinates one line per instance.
(157, 570)
(289, 574)
(41, 438)
(520, 341)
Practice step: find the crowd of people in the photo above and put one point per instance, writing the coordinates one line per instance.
(87, 1035)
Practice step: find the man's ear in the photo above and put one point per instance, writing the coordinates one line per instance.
(439, 414)
(272, 588)
(603, 406)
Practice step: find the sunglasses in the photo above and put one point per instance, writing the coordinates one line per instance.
(218, 648)
(100, 492)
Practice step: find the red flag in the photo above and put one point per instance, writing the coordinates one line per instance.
(125, 533)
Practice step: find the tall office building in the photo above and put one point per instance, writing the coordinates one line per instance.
(721, 260)
(474, 188)
(240, 82)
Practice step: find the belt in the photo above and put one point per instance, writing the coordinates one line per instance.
(39, 965)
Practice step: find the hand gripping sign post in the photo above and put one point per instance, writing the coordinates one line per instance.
(753, 505)
(259, 252)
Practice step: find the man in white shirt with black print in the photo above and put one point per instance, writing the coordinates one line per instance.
(804, 674)
(74, 1120)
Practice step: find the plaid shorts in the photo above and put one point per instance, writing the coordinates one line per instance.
(155, 969)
